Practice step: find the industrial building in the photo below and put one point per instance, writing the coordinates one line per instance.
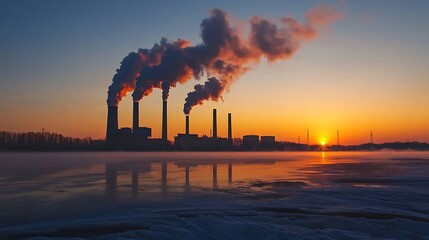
(135, 138)
(139, 138)
(191, 142)
(250, 142)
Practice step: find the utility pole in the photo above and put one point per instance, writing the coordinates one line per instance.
(372, 140)
(308, 137)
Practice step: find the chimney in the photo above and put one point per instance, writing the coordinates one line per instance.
(229, 127)
(135, 117)
(187, 124)
(164, 120)
(112, 121)
(214, 124)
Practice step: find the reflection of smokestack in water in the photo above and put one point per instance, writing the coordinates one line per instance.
(214, 175)
(135, 117)
(164, 120)
(229, 127)
(214, 124)
(112, 121)
(187, 175)
(229, 172)
(164, 176)
(111, 178)
(187, 124)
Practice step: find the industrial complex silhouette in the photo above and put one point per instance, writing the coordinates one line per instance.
(139, 138)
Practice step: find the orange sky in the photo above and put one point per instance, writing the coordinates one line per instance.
(359, 75)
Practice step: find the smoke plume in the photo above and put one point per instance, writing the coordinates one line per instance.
(182, 62)
(125, 78)
(266, 39)
(223, 56)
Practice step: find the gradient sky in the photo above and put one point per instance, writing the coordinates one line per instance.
(368, 71)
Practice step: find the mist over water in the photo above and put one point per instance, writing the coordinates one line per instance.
(270, 195)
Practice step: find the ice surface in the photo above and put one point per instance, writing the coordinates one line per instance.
(372, 195)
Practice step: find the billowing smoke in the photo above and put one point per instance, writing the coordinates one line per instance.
(182, 62)
(266, 39)
(223, 56)
(125, 78)
(171, 69)
(211, 90)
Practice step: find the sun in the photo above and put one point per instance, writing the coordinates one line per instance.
(323, 142)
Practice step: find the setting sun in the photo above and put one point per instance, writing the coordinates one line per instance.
(323, 142)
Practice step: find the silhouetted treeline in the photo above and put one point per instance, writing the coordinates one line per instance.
(422, 146)
(46, 141)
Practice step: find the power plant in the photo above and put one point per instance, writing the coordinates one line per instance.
(169, 63)
(128, 138)
(191, 142)
(138, 138)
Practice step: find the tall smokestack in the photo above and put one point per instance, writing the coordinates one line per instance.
(164, 120)
(214, 124)
(229, 127)
(135, 116)
(187, 124)
(112, 121)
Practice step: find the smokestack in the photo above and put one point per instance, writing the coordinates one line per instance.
(187, 124)
(214, 124)
(112, 121)
(229, 127)
(164, 120)
(135, 117)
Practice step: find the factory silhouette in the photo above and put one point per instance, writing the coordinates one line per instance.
(223, 56)
(139, 138)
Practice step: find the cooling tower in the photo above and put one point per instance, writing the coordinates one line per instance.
(135, 117)
(164, 120)
(214, 124)
(112, 121)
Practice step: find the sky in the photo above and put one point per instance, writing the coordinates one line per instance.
(365, 72)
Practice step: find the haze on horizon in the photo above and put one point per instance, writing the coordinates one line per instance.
(365, 72)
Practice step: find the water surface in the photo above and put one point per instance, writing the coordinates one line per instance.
(275, 195)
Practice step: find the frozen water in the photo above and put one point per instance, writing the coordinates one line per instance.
(255, 195)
